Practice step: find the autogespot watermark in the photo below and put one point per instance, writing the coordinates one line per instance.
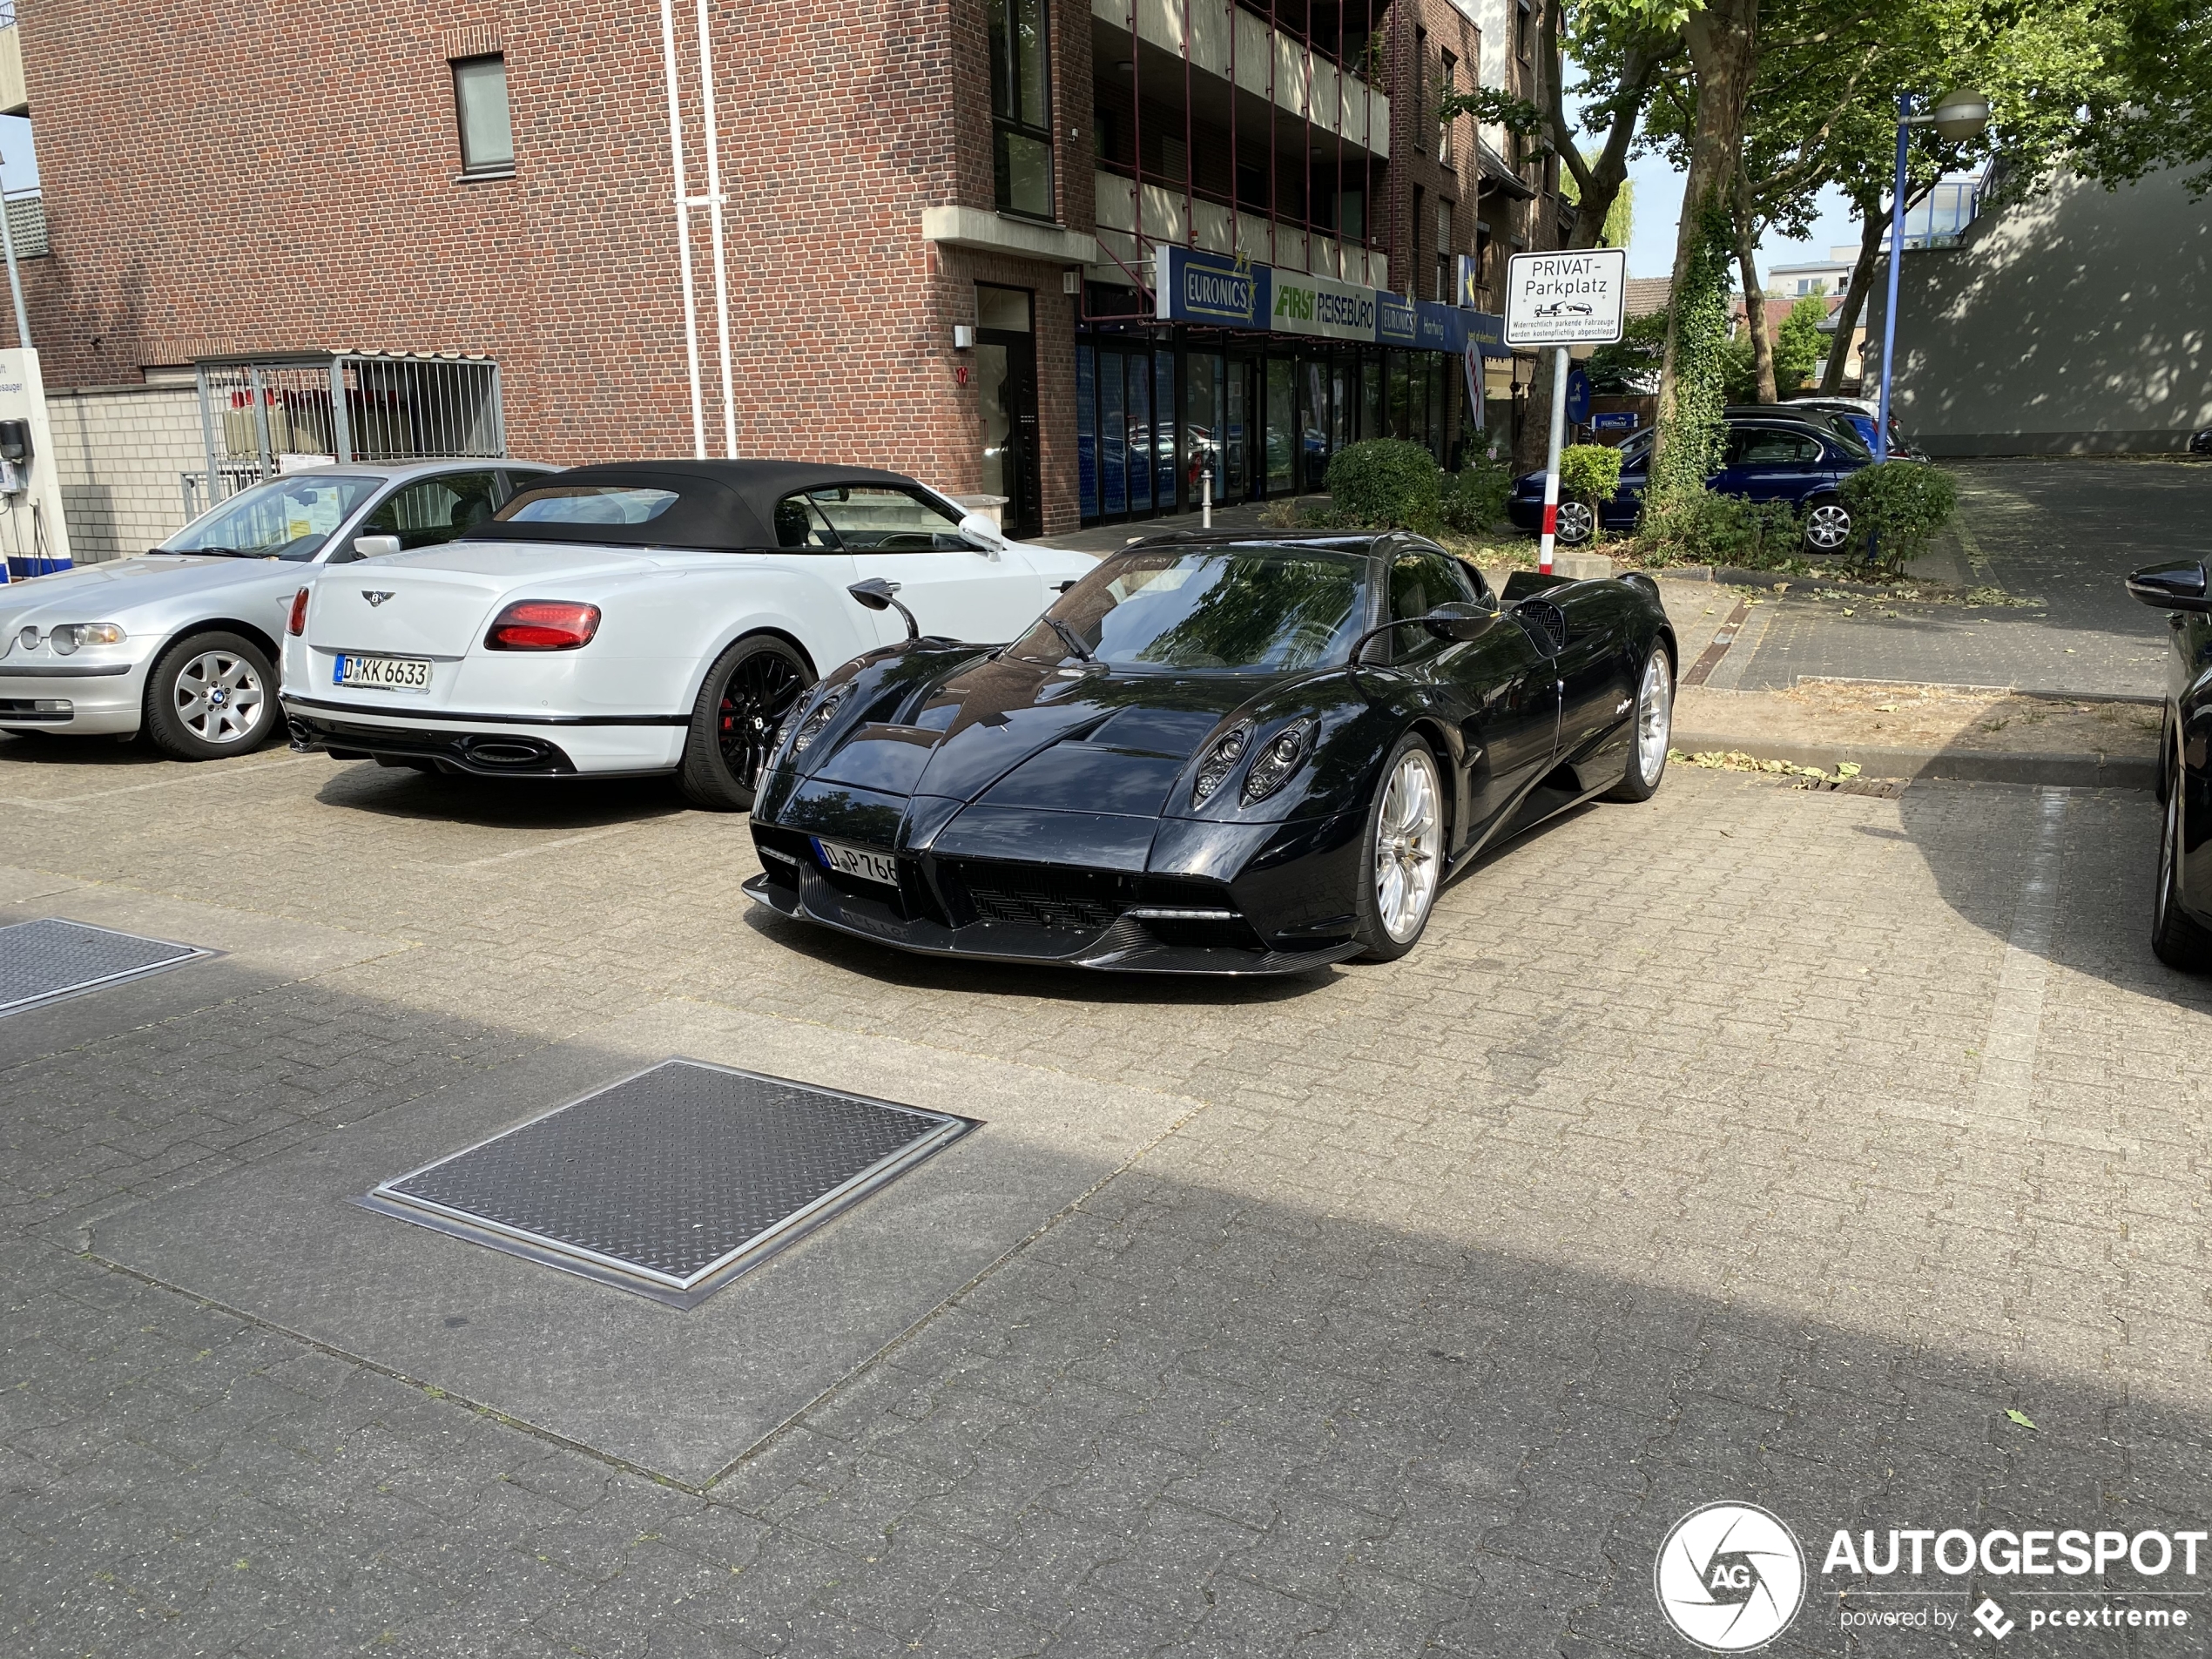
(1730, 1578)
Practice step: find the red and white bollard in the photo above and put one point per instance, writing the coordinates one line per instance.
(1551, 460)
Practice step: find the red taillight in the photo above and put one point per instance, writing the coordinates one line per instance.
(542, 624)
(298, 623)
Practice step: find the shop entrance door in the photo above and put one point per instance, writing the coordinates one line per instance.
(1006, 371)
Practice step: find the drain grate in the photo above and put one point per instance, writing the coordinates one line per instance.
(43, 962)
(672, 1181)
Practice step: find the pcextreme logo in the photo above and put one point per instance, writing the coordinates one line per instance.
(1729, 1577)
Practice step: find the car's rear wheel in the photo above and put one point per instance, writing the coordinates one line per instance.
(1403, 864)
(1827, 526)
(741, 704)
(2175, 936)
(210, 695)
(1651, 731)
(1576, 524)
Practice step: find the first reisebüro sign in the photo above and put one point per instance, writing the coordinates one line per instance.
(1567, 299)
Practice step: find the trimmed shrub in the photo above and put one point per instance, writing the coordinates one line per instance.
(1388, 483)
(1712, 529)
(1475, 498)
(1589, 473)
(1895, 507)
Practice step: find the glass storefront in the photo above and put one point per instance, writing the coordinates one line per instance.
(1156, 406)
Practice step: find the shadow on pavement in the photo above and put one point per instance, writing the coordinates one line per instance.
(499, 803)
(53, 749)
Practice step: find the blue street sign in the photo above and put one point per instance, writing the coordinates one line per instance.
(1578, 397)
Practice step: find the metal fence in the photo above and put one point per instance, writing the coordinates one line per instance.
(258, 419)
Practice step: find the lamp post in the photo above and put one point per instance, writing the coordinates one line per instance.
(1957, 116)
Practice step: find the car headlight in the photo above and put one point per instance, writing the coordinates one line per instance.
(817, 722)
(71, 635)
(1221, 759)
(1278, 758)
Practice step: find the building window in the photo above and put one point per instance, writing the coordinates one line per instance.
(1444, 134)
(480, 97)
(1413, 277)
(1021, 107)
(1444, 254)
(1524, 31)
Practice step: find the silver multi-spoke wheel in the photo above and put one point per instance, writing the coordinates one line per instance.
(1576, 522)
(1408, 840)
(219, 697)
(1655, 719)
(1828, 527)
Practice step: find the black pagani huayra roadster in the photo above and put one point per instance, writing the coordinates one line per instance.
(1211, 755)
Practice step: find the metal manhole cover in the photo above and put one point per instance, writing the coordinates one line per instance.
(43, 962)
(673, 1182)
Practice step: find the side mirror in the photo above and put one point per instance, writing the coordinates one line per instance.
(1457, 621)
(375, 546)
(983, 527)
(2171, 587)
(876, 594)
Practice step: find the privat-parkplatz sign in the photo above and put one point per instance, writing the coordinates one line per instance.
(1567, 299)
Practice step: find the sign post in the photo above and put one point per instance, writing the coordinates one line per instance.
(1572, 298)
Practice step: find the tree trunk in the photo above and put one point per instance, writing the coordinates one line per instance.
(1854, 306)
(1754, 296)
(1598, 183)
(1723, 38)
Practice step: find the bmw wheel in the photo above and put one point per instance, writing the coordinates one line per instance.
(741, 705)
(210, 695)
(1404, 861)
(2175, 936)
(1652, 731)
(1576, 524)
(1827, 526)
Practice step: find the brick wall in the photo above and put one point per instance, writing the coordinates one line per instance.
(306, 196)
(118, 452)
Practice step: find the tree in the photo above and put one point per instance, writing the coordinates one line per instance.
(1796, 343)
(1619, 220)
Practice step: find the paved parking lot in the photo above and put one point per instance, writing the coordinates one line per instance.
(1751, 1145)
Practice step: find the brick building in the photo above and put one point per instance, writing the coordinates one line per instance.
(932, 244)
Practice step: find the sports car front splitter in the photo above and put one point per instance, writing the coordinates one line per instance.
(1126, 945)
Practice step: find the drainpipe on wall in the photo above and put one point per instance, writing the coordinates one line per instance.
(714, 218)
(683, 226)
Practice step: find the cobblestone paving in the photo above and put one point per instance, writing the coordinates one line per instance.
(1749, 1144)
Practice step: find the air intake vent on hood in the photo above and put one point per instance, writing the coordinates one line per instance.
(1546, 622)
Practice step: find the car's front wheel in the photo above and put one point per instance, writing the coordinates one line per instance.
(1827, 526)
(1653, 730)
(1403, 864)
(210, 695)
(2175, 936)
(741, 705)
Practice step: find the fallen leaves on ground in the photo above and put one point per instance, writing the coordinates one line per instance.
(1736, 761)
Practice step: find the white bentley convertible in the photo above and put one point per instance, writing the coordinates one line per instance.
(654, 617)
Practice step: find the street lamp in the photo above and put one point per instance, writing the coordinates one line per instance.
(1957, 116)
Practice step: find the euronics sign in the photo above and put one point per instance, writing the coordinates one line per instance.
(1191, 284)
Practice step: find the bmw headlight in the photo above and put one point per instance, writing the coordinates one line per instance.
(71, 636)
(818, 721)
(1278, 758)
(1221, 758)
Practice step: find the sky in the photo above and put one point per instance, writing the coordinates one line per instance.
(20, 171)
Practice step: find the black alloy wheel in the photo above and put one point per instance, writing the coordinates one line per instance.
(2175, 936)
(742, 704)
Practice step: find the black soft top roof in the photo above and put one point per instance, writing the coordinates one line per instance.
(720, 504)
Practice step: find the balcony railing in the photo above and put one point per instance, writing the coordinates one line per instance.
(1170, 216)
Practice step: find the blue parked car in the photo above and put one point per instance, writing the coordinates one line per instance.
(1769, 458)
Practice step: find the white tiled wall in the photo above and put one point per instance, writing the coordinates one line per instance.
(119, 451)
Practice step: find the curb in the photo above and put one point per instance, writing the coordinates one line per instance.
(1958, 765)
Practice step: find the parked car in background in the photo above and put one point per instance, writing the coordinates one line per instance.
(2200, 442)
(181, 642)
(1770, 457)
(655, 617)
(1864, 413)
(2180, 932)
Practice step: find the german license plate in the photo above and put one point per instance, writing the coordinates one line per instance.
(852, 860)
(382, 673)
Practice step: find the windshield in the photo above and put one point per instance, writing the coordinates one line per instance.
(1239, 609)
(286, 518)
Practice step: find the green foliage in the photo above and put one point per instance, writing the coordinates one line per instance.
(1475, 498)
(1589, 472)
(1706, 528)
(1896, 506)
(1691, 438)
(1797, 343)
(1388, 483)
(1740, 370)
(1633, 366)
(1492, 108)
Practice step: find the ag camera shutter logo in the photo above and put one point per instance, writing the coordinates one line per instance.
(1729, 1577)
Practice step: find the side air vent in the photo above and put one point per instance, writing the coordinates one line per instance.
(1546, 622)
